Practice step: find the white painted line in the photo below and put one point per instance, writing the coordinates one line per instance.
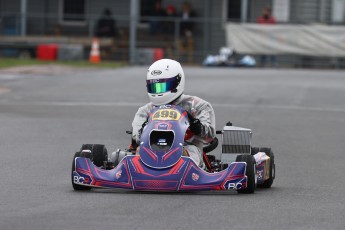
(221, 105)
(281, 107)
(101, 104)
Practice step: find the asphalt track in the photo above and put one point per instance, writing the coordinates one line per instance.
(45, 119)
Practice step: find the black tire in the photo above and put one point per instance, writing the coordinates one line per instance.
(250, 173)
(99, 153)
(211, 158)
(255, 150)
(77, 187)
(268, 183)
(212, 146)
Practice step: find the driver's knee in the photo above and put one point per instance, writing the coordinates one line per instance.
(195, 153)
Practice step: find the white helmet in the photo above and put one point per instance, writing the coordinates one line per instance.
(165, 81)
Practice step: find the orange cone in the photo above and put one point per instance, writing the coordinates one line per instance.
(95, 56)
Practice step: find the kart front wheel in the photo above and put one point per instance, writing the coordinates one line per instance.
(77, 186)
(250, 173)
(99, 153)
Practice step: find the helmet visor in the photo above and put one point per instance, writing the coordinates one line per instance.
(156, 86)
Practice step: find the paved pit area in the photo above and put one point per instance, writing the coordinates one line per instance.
(45, 118)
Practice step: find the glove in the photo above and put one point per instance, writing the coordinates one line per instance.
(195, 125)
(142, 127)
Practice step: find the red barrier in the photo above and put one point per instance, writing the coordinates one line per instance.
(158, 54)
(47, 52)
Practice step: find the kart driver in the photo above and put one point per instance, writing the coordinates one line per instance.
(165, 83)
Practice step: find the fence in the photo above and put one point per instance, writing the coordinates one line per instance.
(164, 33)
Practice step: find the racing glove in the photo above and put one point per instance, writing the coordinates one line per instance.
(142, 127)
(195, 125)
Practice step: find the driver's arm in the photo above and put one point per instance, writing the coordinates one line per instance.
(140, 117)
(205, 113)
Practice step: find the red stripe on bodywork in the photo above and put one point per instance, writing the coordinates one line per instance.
(168, 154)
(140, 170)
(151, 154)
(174, 169)
(138, 166)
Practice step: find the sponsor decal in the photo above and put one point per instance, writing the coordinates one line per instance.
(235, 186)
(260, 174)
(163, 126)
(81, 180)
(195, 176)
(162, 142)
(78, 179)
(165, 106)
(118, 174)
(156, 72)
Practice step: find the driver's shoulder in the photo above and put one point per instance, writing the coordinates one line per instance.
(146, 108)
(195, 100)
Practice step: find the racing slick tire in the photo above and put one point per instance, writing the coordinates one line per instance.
(250, 173)
(77, 186)
(255, 150)
(211, 146)
(268, 183)
(99, 153)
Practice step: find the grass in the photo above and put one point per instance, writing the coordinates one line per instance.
(13, 62)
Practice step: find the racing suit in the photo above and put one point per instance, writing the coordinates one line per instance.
(199, 109)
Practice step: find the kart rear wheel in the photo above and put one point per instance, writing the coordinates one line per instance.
(268, 183)
(250, 173)
(77, 186)
(99, 153)
(255, 150)
(211, 146)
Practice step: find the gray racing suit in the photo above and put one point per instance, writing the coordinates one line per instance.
(199, 109)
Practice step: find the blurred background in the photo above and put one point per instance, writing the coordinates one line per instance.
(275, 33)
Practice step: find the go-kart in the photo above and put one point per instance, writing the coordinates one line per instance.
(159, 162)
